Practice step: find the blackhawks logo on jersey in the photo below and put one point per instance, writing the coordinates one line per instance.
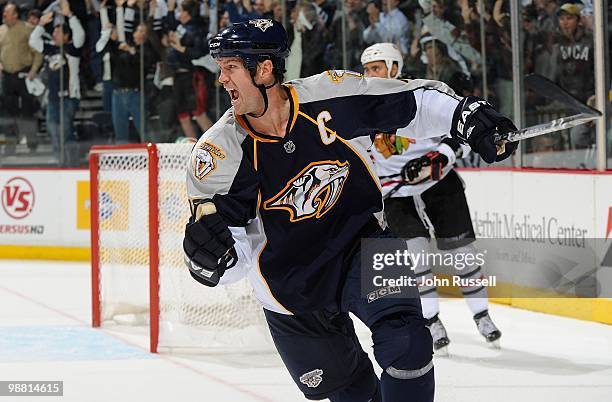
(312, 192)
(205, 159)
(391, 144)
(312, 379)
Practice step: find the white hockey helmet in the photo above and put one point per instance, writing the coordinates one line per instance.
(387, 52)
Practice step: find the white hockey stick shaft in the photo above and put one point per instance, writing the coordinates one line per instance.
(530, 132)
(546, 128)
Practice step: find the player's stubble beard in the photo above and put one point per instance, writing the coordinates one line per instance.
(249, 99)
(251, 103)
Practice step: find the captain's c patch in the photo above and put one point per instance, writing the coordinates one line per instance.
(205, 159)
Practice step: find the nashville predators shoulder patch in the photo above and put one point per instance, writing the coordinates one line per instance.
(205, 159)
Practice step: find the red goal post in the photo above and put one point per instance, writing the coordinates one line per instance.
(139, 208)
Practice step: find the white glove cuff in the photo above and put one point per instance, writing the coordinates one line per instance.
(445, 149)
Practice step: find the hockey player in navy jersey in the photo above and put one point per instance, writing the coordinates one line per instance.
(284, 176)
(425, 193)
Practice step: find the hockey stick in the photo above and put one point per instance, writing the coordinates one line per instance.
(543, 86)
(394, 189)
(554, 92)
(417, 180)
(546, 128)
(529, 132)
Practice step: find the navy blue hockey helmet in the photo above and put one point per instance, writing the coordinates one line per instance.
(252, 41)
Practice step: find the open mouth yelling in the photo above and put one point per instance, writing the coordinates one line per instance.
(234, 95)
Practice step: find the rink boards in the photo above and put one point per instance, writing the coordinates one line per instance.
(45, 215)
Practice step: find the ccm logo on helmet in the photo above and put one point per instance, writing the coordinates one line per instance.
(214, 44)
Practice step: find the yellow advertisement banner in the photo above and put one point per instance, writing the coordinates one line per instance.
(114, 204)
(83, 206)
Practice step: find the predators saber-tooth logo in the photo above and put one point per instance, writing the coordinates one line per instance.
(262, 24)
(204, 160)
(312, 379)
(313, 191)
(337, 76)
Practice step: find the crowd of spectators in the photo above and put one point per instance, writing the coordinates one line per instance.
(149, 61)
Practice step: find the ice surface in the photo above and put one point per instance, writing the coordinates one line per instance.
(45, 334)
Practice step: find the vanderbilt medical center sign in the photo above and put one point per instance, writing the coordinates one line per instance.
(538, 236)
(43, 209)
(545, 231)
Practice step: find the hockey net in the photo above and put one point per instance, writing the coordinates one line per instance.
(139, 210)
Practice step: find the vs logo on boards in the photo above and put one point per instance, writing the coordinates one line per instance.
(18, 198)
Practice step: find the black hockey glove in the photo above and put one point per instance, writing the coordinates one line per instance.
(427, 167)
(474, 123)
(208, 245)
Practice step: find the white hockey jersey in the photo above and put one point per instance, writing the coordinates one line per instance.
(388, 169)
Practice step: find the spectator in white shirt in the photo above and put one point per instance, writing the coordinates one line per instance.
(391, 25)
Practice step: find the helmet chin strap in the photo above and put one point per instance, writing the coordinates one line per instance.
(389, 65)
(263, 90)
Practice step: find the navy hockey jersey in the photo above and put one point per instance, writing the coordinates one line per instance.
(301, 203)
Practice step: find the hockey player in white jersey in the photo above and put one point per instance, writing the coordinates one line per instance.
(284, 175)
(424, 194)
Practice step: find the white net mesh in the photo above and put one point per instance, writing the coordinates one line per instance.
(191, 316)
